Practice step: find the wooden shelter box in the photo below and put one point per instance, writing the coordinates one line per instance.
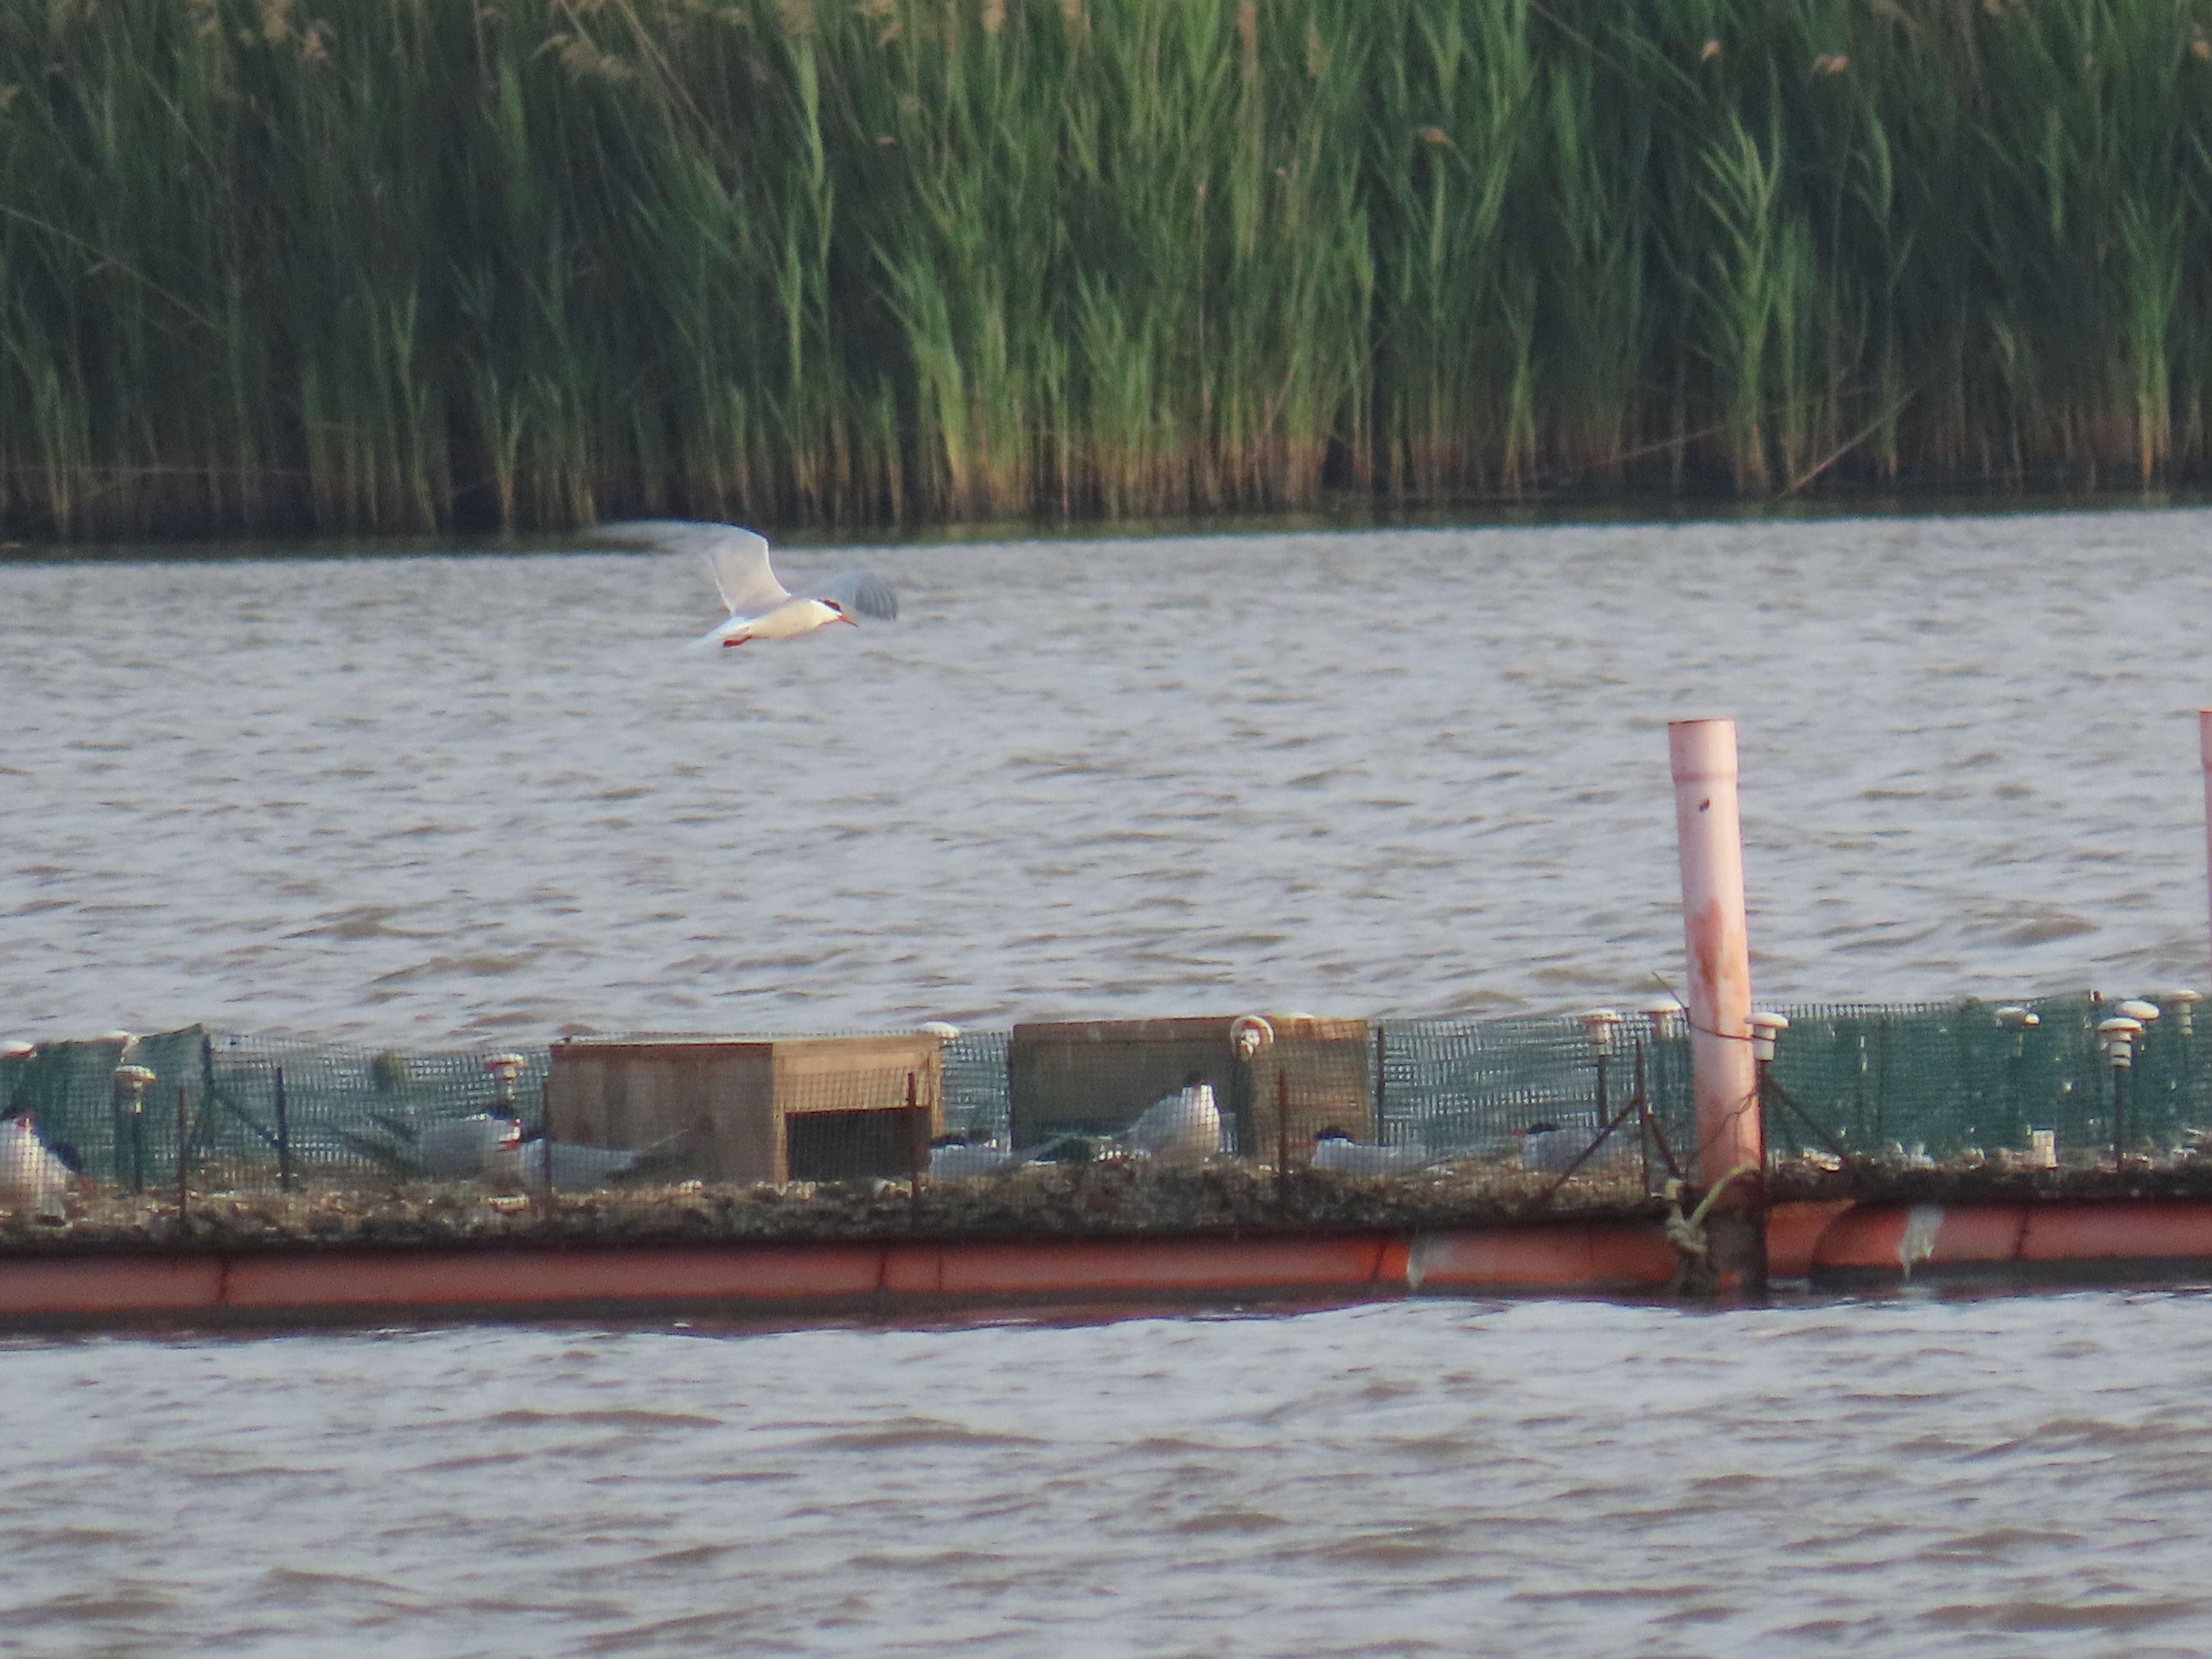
(748, 1110)
(1094, 1077)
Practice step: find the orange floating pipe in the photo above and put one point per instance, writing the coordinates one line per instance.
(1887, 1241)
(1171, 1267)
(523, 1278)
(1883, 1241)
(1793, 1231)
(90, 1287)
(1587, 1255)
(2114, 1232)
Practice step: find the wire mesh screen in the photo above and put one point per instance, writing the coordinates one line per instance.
(1602, 1104)
(1484, 1086)
(976, 1101)
(1968, 1078)
(251, 1110)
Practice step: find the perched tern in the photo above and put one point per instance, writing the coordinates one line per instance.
(1184, 1127)
(953, 1156)
(1335, 1150)
(458, 1150)
(1573, 1140)
(33, 1179)
(761, 607)
(572, 1167)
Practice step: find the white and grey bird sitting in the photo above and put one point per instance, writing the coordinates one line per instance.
(1183, 1128)
(572, 1166)
(1557, 1143)
(952, 1156)
(457, 1150)
(760, 606)
(35, 1179)
(1335, 1149)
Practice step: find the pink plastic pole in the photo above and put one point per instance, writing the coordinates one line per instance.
(1724, 1078)
(2204, 750)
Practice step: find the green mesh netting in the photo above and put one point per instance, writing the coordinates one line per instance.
(1941, 1079)
(1948, 1078)
(253, 1108)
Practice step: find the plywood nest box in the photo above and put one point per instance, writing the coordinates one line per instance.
(1094, 1077)
(746, 1110)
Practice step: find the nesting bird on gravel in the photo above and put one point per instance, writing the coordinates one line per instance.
(1335, 1150)
(954, 1156)
(572, 1167)
(1552, 1146)
(1184, 1127)
(761, 607)
(458, 1150)
(33, 1179)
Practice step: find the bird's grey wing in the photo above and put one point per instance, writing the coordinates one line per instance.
(737, 557)
(860, 591)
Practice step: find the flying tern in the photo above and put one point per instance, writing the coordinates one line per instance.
(761, 607)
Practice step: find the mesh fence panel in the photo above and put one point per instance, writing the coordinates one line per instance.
(256, 1109)
(1480, 1087)
(976, 1103)
(1956, 1079)
(1919, 1082)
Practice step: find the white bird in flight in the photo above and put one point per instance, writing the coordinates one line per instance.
(761, 607)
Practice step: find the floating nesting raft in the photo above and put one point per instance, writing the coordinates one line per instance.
(1107, 1200)
(1093, 1200)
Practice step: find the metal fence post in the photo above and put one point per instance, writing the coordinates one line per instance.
(183, 1154)
(1381, 1090)
(127, 1107)
(2204, 752)
(283, 1136)
(917, 1141)
(2118, 1035)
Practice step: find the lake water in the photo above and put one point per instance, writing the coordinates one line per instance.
(421, 799)
(424, 798)
(2009, 1476)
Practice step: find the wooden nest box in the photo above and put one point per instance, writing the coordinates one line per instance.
(747, 1110)
(1094, 1077)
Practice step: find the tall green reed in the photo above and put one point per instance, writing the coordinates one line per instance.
(392, 264)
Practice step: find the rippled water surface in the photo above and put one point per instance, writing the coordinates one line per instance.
(429, 797)
(2001, 1477)
(1393, 772)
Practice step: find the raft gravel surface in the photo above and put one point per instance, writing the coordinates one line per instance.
(1103, 1200)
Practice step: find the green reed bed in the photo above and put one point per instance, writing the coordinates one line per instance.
(396, 265)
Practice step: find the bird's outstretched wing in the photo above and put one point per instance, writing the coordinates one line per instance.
(737, 557)
(859, 590)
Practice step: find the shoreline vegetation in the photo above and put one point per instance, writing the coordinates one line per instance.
(392, 266)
